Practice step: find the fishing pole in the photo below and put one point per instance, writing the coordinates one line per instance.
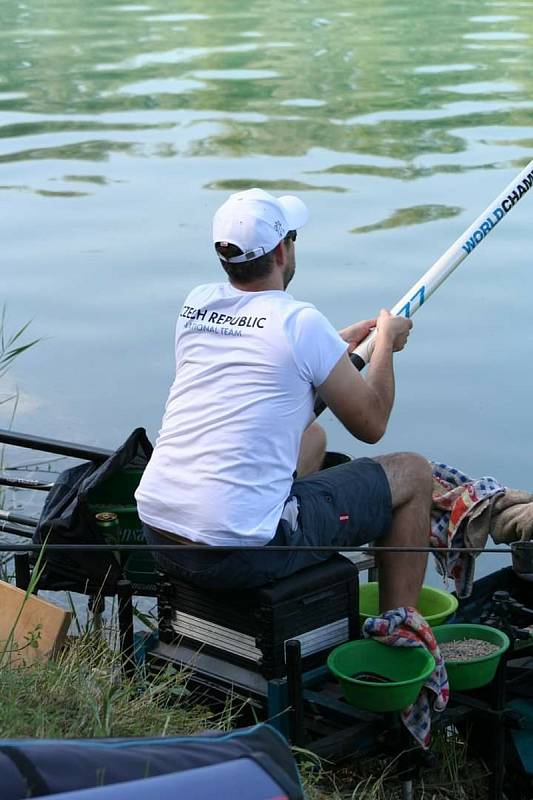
(96, 454)
(22, 483)
(7, 527)
(419, 293)
(135, 548)
(21, 519)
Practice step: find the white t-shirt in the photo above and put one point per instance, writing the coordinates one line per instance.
(246, 365)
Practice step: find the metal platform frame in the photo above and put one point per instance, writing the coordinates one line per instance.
(286, 699)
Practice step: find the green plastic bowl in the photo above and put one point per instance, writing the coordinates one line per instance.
(406, 667)
(435, 605)
(476, 672)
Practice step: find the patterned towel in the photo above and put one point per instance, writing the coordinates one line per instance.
(405, 627)
(455, 498)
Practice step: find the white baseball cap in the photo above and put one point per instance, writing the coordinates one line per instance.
(256, 221)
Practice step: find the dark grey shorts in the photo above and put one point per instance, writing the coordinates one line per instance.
(345, 505)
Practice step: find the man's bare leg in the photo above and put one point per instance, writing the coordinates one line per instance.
(401, 574)
(312, 450)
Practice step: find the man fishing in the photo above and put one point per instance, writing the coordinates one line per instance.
(237, 459)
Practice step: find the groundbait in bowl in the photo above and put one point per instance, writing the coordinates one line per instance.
(474, 672)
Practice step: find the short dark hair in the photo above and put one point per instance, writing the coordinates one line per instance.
(247, 271)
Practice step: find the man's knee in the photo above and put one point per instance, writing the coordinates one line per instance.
(417, 468)
(409, 476)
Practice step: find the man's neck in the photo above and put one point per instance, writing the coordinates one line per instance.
(268, 284)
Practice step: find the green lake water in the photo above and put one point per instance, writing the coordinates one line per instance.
(124, 126)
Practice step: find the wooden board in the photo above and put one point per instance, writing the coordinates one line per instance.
(31, 629)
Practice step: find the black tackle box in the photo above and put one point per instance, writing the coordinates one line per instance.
(319, 606)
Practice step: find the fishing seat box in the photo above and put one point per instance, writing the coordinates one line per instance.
(318, 606)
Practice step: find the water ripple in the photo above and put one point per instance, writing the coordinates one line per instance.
(176, 17)
(436, 69)
(178, 56)
(236, 74)
(504, 36)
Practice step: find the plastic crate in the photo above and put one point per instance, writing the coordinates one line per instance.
(318, 606)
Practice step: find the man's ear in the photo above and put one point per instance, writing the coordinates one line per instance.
(279, 253)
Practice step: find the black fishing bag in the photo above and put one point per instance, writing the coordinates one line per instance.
(257, 761)
(69, 517)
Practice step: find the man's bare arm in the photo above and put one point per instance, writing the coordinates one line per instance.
(364, 405)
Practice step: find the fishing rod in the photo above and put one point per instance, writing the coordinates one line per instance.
(56, 446)
(15, 530)
(135, 548)
(17, 524)
(96, 454)
(23, 483)
(21, 519)
(419, 293)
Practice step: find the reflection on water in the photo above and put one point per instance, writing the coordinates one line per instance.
(411, 172)
(122, 127)
(282, 185)
(414, 215)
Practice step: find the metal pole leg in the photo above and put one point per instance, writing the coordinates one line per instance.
(293, 656)
(22, 570)
(498, 734)
(125, 621)
(407, 760)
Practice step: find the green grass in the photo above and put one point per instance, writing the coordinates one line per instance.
(455, 776)
(84, 694)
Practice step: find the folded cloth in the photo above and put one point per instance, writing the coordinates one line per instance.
(456, 501)
(405, 627)
(509, 518)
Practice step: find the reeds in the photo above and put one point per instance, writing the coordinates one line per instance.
(11, 345)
